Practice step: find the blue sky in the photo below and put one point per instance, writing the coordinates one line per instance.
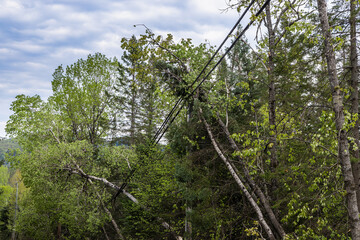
(36, 36)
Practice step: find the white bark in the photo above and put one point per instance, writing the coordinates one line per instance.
(264, 201)
(127, 194)
(238, 181)
(337, 100)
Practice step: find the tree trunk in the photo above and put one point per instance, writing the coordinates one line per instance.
(343, 146)
(238, 181)
(106, 236)
(259, 193)
(80, 172)
(272, 93)
(58, 234)
(354, 96)
(89, 178)
(188, 224)
(132, 117)
(117, 229)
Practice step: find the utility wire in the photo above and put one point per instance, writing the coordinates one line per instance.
(158, 136)
(158, 132)
(219, 61)
(198, 77)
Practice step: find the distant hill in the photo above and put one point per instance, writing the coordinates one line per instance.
(5, 145)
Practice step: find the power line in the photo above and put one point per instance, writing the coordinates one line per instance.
(199, 75)
(167, 122)
(215, 66)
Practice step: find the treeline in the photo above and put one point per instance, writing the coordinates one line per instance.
(266, 148)
(5, 145)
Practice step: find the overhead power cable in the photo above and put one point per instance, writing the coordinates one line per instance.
(215, 66)
(170, 118)
(199, 75)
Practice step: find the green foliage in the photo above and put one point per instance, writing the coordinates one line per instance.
(5, 146)
(56, 196)
(68, 165)
(27, 119)
(6, 192)
(80, 95)
(155, 187)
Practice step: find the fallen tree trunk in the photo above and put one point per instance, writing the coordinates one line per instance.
(89, 178)
(259, 193)
(238, 180)
(80, 172)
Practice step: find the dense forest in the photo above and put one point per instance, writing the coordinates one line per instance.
(267, 147)
(5, 146)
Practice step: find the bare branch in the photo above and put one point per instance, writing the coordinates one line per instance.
(164, 48)
(127, 194)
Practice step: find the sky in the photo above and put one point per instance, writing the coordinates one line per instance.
(36, 36)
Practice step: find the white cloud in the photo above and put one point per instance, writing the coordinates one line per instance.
(32, 87)
(17, 91)
(4, 86)
(17, 11)
(51, 34)
(211, 6)
(26, 82)
(69, 52)
(7, 53)
(11, 4)
(39, 35)
(26, 46)
(36, 65)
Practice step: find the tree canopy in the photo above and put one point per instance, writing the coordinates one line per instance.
(267, 147)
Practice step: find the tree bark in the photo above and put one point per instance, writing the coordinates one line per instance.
(232, 171)
(106, 236)
(133, 111)
(89, 178)
(272, 93)
(80, 172)
(343, 146)
(58, 234)
(354, 96)
(117, 229)
(259, 193)
(188, 223)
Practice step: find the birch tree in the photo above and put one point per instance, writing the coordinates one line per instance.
(338, 107)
